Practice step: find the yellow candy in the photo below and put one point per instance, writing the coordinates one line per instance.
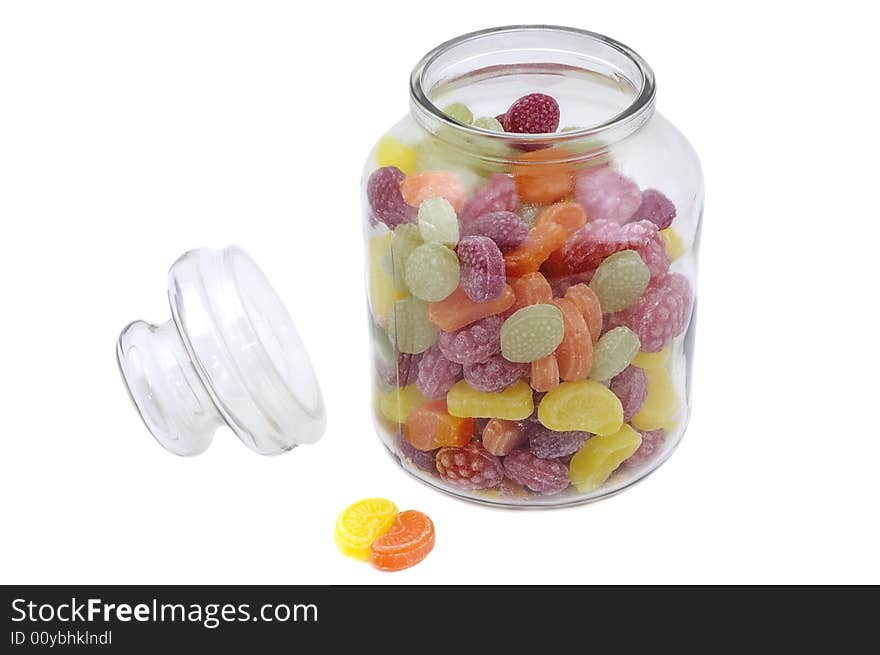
(674, 244)
(397, 404)
(661, 404)
(585, 406)
(652, 360)
(383, 293)
(594, 463)
(514, 403)
(361, 524)
(391, 152)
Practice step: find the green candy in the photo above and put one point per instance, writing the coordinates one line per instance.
(620, 280)
(405, 239)
(438, 221)
(614, 351)
(489, 123)
(458, 111)
(432, 272)
(409, 328)
(531, 333)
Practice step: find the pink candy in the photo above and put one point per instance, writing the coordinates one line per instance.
(474, 343)
(469, 467)
(536, 113)
(631, 386)
(505, 228)
(600, 238)
(661, 313)
(607, 195)
(544, 476)
(386, 200)
(498, 194)
(656, 208)
(494, 375)
(436, 374)
(482, 268)
(652, 444)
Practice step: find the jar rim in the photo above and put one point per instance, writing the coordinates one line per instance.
(623, 123)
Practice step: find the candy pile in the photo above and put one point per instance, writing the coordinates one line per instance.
(525, 326)
(373, 529)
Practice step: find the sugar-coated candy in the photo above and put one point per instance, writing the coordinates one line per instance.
(607, 194)
(474, 343)
(584, 406)
(548, 444)
(383, 293)
(574, 355)
(674, 245)
(535, 113)
(469, 467)
(423, 459)
(544, 374)
(659, 359)
(661, 313)
(432, 271)
(362, 523)
(531, 289)
(514, 403)
(661, 403)
(488, 123)
(652, 445)
(655, 207)
(654, 254)
(431, 426)
(631, 386)
(391, 152)
(418, 187)
(401, 371)
(531, 333)
(406, 543)
(595, 241)
(457, 310)
(497, 195)
(529, 213)
(594, 463)
(438, 221)
(500, 436)
(553, 227)
(543, 476)
(386, 200)
(437, 374)
(505, 228)
(458, 111)
(404, 240)
(620, 280)
(495, 374)
(614, 351)
(543, 176)
(396, 404)
(482, 268)
(588, 303)
(409, 328)
(561, 285)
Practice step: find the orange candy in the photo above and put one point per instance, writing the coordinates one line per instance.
(457, 310)
(531, 289)
(540, 180)
(587, 303)
(405, 544)
(575, 354)
(500, 436)
(552, 229)
(545, 372)
(418, 187)
(431, 426)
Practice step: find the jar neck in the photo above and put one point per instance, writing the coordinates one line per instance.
(605, 89)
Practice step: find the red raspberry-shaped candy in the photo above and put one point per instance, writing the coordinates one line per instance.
(494, 375)
(436, 373)
(498, 194)
(595, 241)
(661, 313)
(505, 228)
(543, 476)
(652, 444)
(386, 200)
(656, 208)
(470, 467)
(654, 254)
(481, 268)
(535, 113)
(631, 386)
(473, 343)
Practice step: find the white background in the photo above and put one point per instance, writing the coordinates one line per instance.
(130, 132)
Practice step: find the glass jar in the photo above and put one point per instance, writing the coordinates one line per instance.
(531, 265)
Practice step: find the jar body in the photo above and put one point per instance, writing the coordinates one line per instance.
(566, 379)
